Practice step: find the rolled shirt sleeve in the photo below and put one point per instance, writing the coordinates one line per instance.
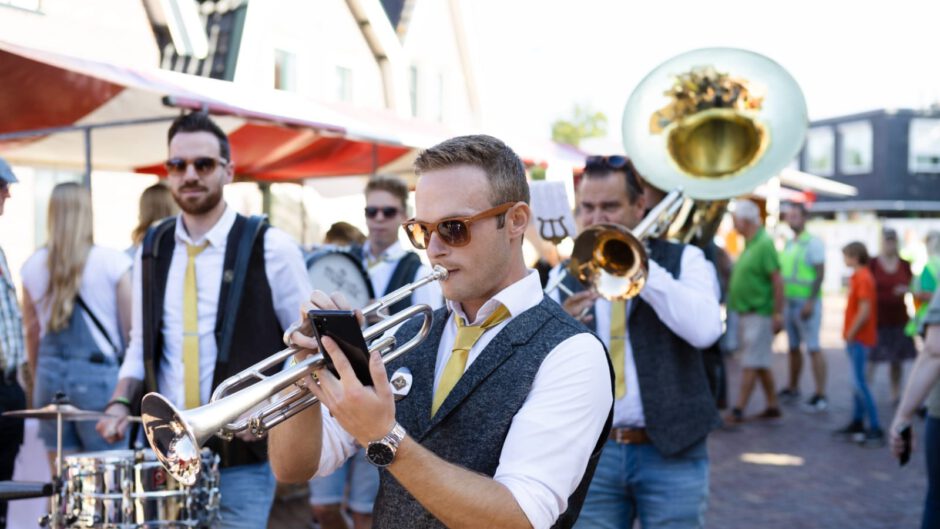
(554, 432)
(133, 365)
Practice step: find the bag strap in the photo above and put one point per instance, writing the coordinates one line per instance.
(253, 227)
(118, 351)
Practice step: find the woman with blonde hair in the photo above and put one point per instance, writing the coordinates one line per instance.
(156, 203)
(77, 313)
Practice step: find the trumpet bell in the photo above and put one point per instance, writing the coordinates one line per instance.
(171, 437)
(610, 259)
(716, 122)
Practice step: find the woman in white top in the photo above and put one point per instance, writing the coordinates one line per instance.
(68, 285)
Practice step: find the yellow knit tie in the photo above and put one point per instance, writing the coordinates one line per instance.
(618, 345)
(467, 335)
(191, 328)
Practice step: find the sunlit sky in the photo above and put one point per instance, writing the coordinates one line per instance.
(534, 60)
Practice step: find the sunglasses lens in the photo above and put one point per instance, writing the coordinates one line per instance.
(204, 165)
(454, 232)
(389, 212)
(371, 212)
(420, 236)
(616, 161)
(176, 166)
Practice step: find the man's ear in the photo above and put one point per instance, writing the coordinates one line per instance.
(517, 219)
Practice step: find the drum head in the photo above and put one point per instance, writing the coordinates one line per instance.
(335, 271)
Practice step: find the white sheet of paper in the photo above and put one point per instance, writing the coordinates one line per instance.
(551, 212)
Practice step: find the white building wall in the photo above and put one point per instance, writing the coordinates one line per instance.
(71, 27)
(322, 35)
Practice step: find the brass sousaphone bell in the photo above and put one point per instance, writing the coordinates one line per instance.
(708, 125)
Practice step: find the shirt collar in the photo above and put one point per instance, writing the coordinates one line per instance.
(217, 236)
(392, 253)
(517, 298)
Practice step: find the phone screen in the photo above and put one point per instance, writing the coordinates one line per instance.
(343, 327)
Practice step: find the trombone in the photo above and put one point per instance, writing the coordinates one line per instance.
(177, 435)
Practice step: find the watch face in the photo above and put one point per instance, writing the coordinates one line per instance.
(380, 454)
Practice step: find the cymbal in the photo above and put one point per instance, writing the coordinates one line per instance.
(51, 411)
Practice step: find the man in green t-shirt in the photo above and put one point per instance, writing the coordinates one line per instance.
(755, 296)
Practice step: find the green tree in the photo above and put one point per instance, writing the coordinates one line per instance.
(584, 123)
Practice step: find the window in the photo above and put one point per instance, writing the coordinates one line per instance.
(413, 89)
(855, 151)
(820, 151)
(285, 70)
(924, 144)
(344, 84)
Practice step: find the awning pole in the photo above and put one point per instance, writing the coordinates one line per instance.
(375, 158)
(87, 178)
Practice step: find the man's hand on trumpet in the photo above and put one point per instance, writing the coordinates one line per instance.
(366, 412)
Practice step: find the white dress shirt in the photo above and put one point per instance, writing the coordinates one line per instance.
(381, 272)
(552, 435)
(687, 305)
(287, 277)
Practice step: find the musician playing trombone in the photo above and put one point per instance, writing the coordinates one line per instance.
(654, 466)
(510, 396)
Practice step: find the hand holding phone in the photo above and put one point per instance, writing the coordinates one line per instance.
(343, 327)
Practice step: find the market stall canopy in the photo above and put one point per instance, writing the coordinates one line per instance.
(51, 103)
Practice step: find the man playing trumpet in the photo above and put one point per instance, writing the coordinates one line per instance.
(511, 397)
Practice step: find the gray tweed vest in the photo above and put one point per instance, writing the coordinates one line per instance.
(677, 404)
(471, 425)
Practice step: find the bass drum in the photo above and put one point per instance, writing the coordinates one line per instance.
(337, 271)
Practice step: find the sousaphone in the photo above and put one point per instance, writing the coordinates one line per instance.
(715, 123)
(707, 125)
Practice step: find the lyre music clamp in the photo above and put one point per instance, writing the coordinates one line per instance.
(554, 236)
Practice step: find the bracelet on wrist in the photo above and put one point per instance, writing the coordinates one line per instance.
(126, 402)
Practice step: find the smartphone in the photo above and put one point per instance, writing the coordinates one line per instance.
(906, 450)
(343, 327)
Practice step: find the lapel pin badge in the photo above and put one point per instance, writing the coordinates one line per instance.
(401, 382)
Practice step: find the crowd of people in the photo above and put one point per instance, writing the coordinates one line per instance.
(527, 409)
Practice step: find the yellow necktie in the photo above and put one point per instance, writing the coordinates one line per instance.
(191, 328)
(618, 345)
(467, 335)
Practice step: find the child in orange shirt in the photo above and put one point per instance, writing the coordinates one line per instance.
(860, 333)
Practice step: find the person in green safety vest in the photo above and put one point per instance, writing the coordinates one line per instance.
(802, 266)
(924, 285)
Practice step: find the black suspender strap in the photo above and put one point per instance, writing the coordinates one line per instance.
(118, 351)
(252, 228)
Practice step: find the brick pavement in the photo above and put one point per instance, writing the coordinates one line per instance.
(833, 484)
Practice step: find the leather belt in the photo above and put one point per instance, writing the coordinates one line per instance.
(629, 436)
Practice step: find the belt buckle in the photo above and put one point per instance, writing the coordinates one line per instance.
(620, 438)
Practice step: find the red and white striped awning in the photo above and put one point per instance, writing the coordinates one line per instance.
(275, 135)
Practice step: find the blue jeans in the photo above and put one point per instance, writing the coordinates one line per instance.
(363, 480)
(636, 481)
(931, 518)
(247, 494)
(863, 401)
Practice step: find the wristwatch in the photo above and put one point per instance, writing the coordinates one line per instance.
(381, 453)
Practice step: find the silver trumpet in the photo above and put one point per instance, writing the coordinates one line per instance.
(236, 404)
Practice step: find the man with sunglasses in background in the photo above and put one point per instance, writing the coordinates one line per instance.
(655, 465)
(213, 292)
(511, 397)
(390, 267)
